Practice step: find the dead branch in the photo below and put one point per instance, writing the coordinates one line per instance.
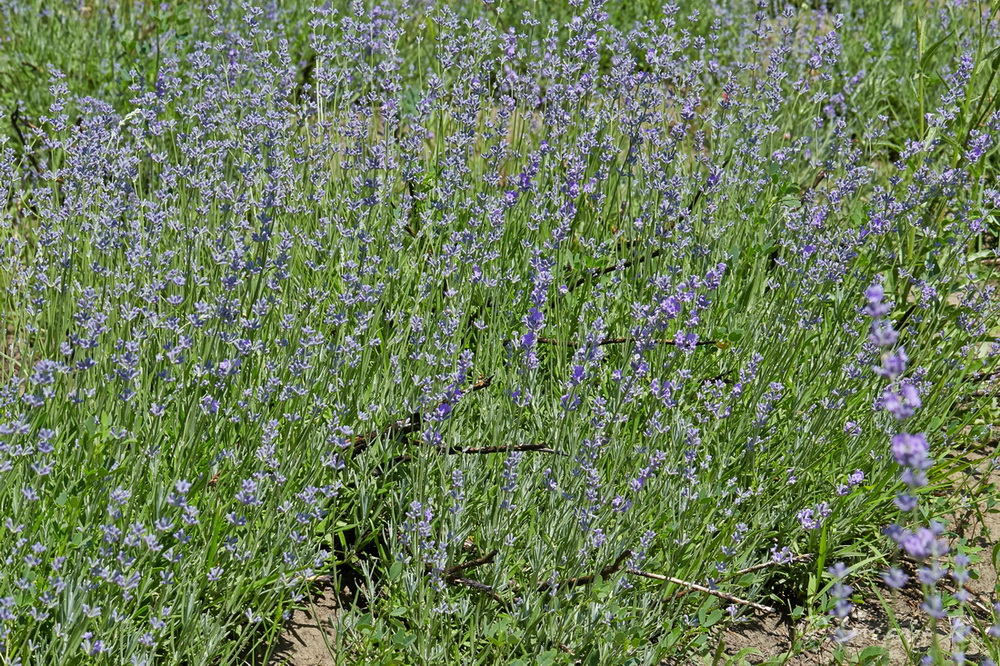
(453, 571)
(600, 272)
(451, 577)
(481, 450)
(550, 586)
(619, 341)
(400, 428)
(625, 265)
(772, 563)
(702, 588)
(481, 587)
(15, 118)
(540, 448)
(408, 425)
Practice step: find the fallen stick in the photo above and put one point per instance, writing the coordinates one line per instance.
(451, 577)
(541, 448)
(772, 563)
(481, 587)
(481, 450)
(585, 580)
(619, 341)
(14, 119)
(453, 571)
(597, 273)
(408, 425)
(702, 588)
(756, 567)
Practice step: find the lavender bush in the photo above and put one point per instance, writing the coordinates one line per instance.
(546, 326)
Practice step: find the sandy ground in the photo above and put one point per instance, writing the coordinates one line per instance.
(308, 638)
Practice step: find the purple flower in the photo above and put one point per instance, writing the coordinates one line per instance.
(209, 405)
(842, 606)
(903, 404)
(510, 474)
(876, 309)
(248, 493)
(895, 578)
(812, 518)
(920, 544)
(934, 606)
(781, 556)
(911, 451)
(535, 319)
(893, 364)
(905, 502)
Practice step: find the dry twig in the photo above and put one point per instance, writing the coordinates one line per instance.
(409, 425)
(15, 119)
(453, 571)
(550, 586)
(481, 450)
(600, 272)
(482, 587)
(619, 341)
(702, 588)
(772, 563)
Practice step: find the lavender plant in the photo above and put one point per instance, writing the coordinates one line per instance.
(537, 325)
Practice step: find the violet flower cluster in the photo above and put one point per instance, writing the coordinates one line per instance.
(910, 451)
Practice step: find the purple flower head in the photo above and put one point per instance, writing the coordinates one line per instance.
(418, 524)
(248, 494)
(838, 570)
(932, 574)
(903, 404)
(781, 556)
(209, 405)
(895, 578)
(914, 478)
(883, 334)
(911, 451)
(812, 518)
(979, 143)
(535, 319)
(841, 593)
(893, 364)
(920, 544)
(440, 413)
(510, 474)
(934, 606)
(876, 309)
(905, 502)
